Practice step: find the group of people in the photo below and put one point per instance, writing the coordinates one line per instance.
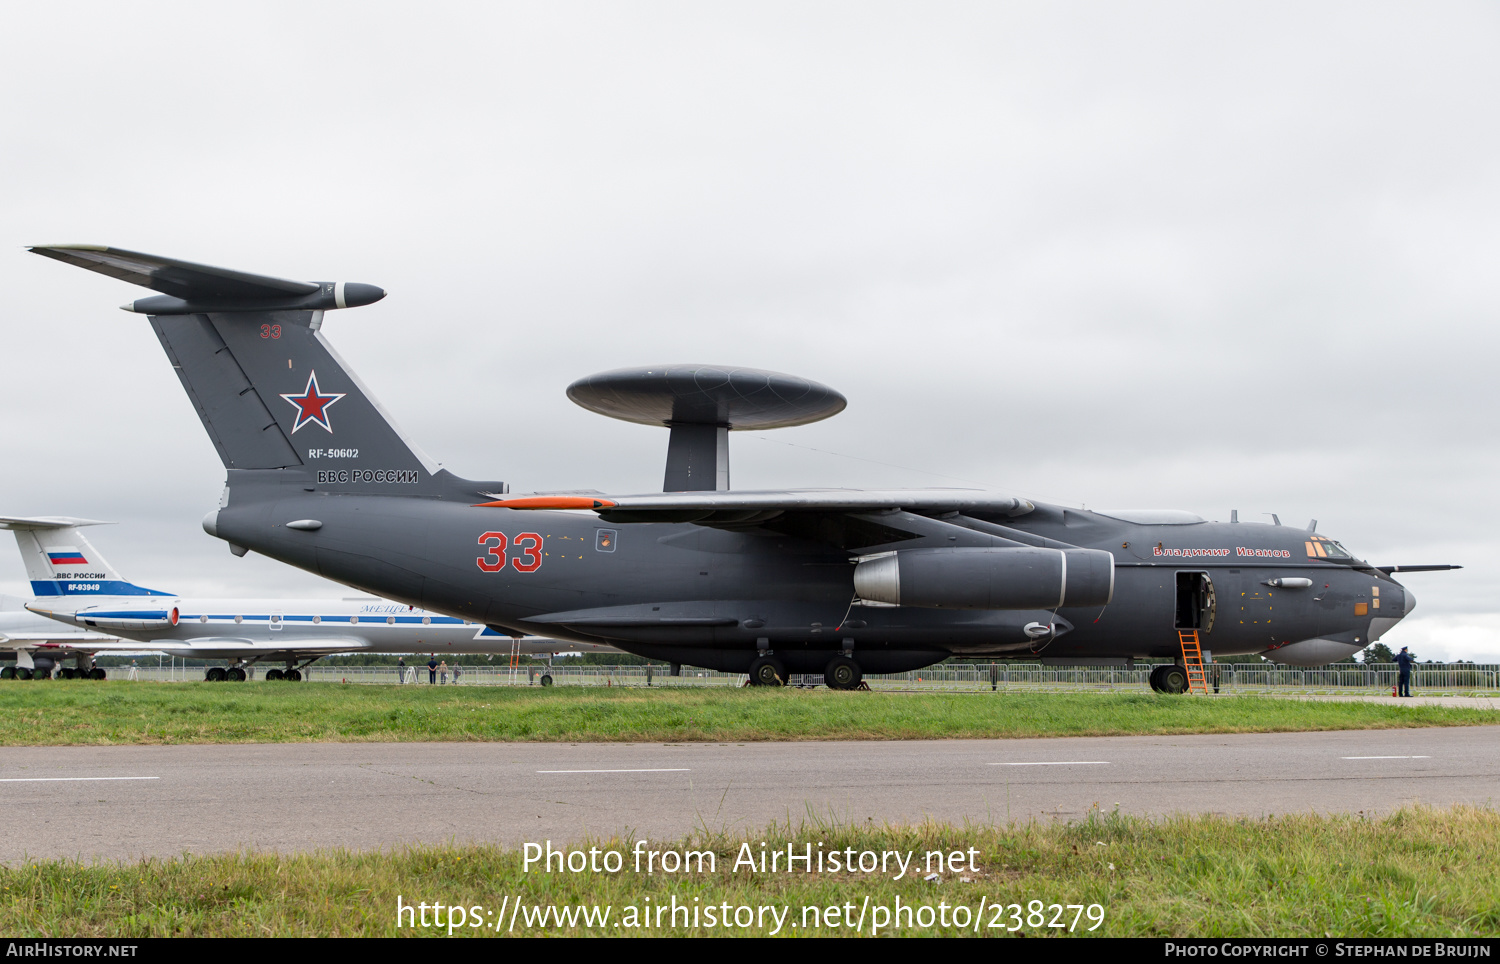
(437, 671)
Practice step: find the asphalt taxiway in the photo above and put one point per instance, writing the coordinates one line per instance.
(124, 802)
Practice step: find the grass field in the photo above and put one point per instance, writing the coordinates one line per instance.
(1419, 872)
(85, 712)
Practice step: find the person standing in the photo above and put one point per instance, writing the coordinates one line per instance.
(443, 673)
(432, 665)
(400, 669)
(1403, 668)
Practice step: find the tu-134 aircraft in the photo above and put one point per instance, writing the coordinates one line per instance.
(73, 584)
(841, 582)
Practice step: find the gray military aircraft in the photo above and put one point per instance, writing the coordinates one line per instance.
(841, 582)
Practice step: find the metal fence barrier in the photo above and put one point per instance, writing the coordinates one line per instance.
(1431, 679)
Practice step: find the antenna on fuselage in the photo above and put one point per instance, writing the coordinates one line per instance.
(1275, 519)
(1234, 515)
(1312, 526)
(702, 404)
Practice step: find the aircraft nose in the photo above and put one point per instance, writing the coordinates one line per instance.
(1411, 601)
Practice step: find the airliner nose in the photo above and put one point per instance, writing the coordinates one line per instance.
(1411, 602)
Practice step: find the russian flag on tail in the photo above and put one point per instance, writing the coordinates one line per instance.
(66, 557)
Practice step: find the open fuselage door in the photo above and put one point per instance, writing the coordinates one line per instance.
(1196, 603)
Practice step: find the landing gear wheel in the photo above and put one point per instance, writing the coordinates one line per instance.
(23, 673)
(767, 671)
(272, 675)
(1174, 680)
(1155, 678)
(67, 672)
(295, 675)
(546, 679)
(237, 675)
(215, 674)
(842, 673)
(97, 673)
(8, 672)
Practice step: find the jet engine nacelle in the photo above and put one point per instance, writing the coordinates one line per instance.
(987, 578)
(147, 619)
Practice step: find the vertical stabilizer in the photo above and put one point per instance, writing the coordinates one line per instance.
(61, 562)
(273, 394)
(270, 390)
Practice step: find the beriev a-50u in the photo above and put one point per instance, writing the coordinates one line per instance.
(766, 582)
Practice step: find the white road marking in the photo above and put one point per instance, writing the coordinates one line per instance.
(660, 770)
(67, 779)
(1054, 763)
(1385, 758)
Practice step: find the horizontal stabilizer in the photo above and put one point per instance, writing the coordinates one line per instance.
(47, 522)
(191, 288)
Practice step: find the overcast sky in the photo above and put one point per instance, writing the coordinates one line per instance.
(1197, 256)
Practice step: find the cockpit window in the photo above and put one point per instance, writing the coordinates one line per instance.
(1321, 548)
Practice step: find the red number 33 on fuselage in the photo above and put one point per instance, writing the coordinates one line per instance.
(527, 544)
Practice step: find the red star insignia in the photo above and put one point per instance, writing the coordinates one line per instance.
(311, 405)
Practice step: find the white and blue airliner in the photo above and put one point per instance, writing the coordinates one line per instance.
(102, 612)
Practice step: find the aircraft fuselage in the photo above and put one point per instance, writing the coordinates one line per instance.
(716, 597)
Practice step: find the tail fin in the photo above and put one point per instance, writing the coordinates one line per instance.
(61, 562)
(270, 390)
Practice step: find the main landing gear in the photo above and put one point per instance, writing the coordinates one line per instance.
(1169, 678)
(67, 672)
(767, 671)
(233, 674)
(841, 673)
(238, 673)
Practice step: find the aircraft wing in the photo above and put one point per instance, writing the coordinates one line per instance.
(87, 642)
(239, 646)
(743, 508)
(75, 640)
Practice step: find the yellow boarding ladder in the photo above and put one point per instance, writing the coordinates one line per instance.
(1192, 660)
